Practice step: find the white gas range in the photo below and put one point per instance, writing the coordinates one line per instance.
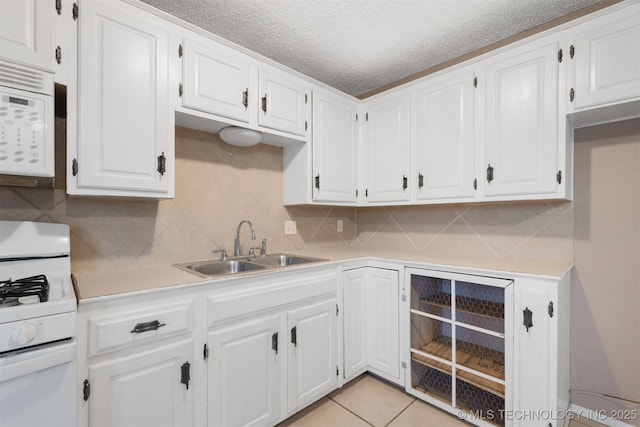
(37, 326)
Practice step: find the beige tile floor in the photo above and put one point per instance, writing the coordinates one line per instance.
(369, 401)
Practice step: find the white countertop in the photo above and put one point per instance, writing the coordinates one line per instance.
(141, 278)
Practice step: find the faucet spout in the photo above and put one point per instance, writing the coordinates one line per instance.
(237, 249)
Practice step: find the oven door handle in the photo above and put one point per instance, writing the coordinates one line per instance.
(29, 362)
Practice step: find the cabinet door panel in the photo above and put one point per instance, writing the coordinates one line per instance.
(123, 111)
(521, 139)
(214, 82)
(533, 371)
(26, 32)
(244, 383)
(444, 137)
(355, 322)
(143, 389)
(282, 103)
(383, 323)
(313, 357)
(388, 150)
(334, 144)
(608, 62)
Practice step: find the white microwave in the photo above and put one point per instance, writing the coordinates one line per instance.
(26, 122)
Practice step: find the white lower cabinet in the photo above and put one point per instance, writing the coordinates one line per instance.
(244, 366)
(371, 323)
(137, 364)
(147, 388)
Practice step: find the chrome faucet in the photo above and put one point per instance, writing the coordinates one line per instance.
(237, 250)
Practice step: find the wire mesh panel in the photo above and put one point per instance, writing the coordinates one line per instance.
(480, 402)
(431, 336)
(436, 382)
(480, 305)
(431, 295)
(482, 352)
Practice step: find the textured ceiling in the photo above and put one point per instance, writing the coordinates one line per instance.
(357, 46)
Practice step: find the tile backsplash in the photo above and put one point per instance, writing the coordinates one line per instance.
(218, 185)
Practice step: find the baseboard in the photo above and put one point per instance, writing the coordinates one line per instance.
(597, 416)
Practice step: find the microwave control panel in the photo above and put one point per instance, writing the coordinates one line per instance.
(26, 134)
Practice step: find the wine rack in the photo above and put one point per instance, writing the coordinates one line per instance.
(457, 339)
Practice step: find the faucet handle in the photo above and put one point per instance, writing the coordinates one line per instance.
(252, 251)
(263, 248)
(223, 253)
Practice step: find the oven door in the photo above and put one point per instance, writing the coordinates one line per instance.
(37, 386)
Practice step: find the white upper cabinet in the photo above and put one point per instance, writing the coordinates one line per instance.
(334, 148)
(125, 128)
(216, 81)
(606, 57)
(521, 137)
(27, 32)
(388, 148)
(444, 124)
(283, 102)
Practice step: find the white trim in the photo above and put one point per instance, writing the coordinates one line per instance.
(597, 416)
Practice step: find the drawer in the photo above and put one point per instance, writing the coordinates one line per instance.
(135, 327)
(269, 296)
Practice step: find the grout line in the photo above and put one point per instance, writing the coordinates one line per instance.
(349, 410)
(400, 413)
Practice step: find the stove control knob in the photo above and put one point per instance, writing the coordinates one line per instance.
(23, 334)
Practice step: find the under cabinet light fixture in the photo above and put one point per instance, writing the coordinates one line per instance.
(240, 137)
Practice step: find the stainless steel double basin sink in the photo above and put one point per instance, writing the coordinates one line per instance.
(237, 265)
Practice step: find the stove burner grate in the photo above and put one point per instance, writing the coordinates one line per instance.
(12, 290)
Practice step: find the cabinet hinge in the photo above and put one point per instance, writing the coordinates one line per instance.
(404, 297)
(305, 98)
(356, 117)
(162, 164)
(356, 192)
(86, 389)
(366, 117)
(59, 7)
(294, 336)
(180, 50)
(420, 180)
(59, 55)
(74, 167)
(74, 11)
(572, 51)
(403, 365)
(185, 374)
(337, 371)
(559, 177)
(551, 309)
(572, 95)
(305, 125)
(489, 173)
(475, 184)
(560, 55)
(366, 192)
(205, 352)
(180, 89)
(274, 342)
(317, 181)
(475, 82)
(337, 310)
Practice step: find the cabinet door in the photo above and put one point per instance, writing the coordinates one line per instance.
(334, 145)
(535, 372)
(521, 137)
(388, 150)
(607, 59)
(26, 32)
(383, 323)
(244, 387)
(143, 389)
(445, 137)
(125, 129)
(313, 355)
(355, 322)
(215, 82)
(282, 103)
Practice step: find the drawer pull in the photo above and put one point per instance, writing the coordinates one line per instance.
(147, 326)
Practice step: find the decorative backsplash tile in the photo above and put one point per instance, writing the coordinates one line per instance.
(218, 185)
